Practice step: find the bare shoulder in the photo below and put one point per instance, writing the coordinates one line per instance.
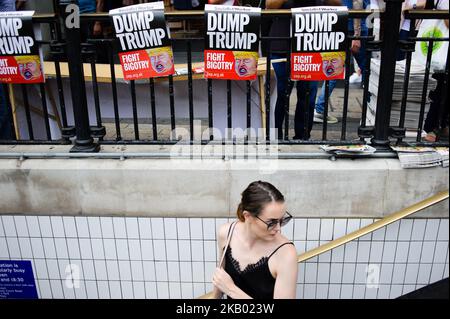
(285, 258)
(287, 252)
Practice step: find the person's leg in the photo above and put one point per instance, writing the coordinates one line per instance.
(360, 56)
(354, 77)
(282, 80)
(312, 101)
(402, 36)
(299, 119)
(432, 120)
(5, 123)
(304, 89)
(431, 124)
(320, 105)
(443, 129)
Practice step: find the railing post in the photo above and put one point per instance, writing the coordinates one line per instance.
(83, 141)
(387, 71)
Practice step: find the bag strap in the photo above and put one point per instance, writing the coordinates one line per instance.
(230, 233)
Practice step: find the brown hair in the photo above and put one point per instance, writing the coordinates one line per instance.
(256, 196)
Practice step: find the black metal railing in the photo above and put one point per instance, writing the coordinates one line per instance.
(45, 135)
(408, 47)
(87, 129)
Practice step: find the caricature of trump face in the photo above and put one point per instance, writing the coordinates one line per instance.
(29, 67)
(333, 63)
(245, 64)
(161, 60)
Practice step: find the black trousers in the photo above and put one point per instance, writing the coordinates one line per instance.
(437, 116)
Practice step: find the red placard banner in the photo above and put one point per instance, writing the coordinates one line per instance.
(19, 53)
(318, 43)
(232, 40)
(143, 40)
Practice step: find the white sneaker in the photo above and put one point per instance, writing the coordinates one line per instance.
(318, 118)
(355, 78)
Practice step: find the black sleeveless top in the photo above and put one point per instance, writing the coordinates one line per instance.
(255, 280)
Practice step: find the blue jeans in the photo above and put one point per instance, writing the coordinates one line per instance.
(7, 5)
(360, 58)
(303, 88)
(404, 35)
(349, 5)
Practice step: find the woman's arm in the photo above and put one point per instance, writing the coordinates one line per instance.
(274, 4)
(221, 240)
(217, 294)
(286, 270)
(414, 4)
(223, 283)
(333, 2)
(356, 44)
(99, 5)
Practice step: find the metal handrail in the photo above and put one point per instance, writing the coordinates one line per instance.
(410, 14)
(426, 14)
(366, 230)
(201, 13)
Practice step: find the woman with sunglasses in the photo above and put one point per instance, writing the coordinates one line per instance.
(258, 261)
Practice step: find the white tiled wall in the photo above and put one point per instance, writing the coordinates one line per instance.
(118, 257)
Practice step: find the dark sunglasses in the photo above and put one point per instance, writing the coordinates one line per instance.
(273, 223)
